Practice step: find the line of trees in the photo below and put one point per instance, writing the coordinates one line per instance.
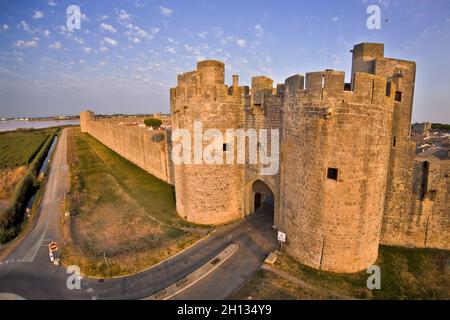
(440, 126)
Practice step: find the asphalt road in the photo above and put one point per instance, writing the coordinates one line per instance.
(27, 271)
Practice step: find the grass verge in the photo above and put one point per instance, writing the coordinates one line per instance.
(122, 219)
(405, 274)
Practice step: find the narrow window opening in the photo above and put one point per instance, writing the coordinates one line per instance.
(332, 174)
(388, 89)
(323, 81)
(225, 147)
(398, 96)
(394, 143)
(347, 87)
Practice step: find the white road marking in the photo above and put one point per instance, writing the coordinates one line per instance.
(29, 257)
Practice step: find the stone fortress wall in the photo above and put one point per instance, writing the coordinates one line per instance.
(348, 179)
(148, 149)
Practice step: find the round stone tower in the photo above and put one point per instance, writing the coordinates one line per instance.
(336, 140)
(208, 191)
(85, 117)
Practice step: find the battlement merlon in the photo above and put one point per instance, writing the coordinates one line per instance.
(330, 85)
(366, 56)
(206, 83)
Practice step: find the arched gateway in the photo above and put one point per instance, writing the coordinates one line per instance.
(261, 196)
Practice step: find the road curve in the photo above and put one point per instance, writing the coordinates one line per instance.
(27, 272)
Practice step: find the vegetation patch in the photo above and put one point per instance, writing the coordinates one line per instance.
(405, 274)
(122, 219)
(440, 126)
(153, 122)
(19, 148)
(24, 183)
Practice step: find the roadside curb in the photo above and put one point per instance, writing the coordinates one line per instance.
(196, 275)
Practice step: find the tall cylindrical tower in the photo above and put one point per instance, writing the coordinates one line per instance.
(335, 155)
(207, 193)
(85, 117)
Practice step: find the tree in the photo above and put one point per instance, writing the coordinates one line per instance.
(153, 122)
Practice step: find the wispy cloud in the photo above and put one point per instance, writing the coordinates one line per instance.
(110, 41)
(107, 27)
(38, 14)
(55, 45)
(167, 12)
(123, 17)
(241, 43)
(22, 44)
(259, 30)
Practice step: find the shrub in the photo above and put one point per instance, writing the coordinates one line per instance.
(153, 122)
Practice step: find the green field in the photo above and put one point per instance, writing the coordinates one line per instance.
(125, 219)
(18, 148)
(21, 157)
(405, 274)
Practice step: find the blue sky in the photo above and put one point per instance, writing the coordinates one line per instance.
(127, 54)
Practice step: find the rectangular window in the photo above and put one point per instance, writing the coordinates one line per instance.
(225, 147)
(347, 87)
(394, 143)
(388, 89)
(398, 96)
(332, 173)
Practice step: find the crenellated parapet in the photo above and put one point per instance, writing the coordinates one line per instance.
(347, 180)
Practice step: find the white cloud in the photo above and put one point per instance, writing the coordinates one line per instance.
(110, 41)
(46, 33)
(335, 19)
(103, 17)
(136, 40)
(202, 34)
(55, 45)
(38, 14)
(21, 44)
(103, 49)
(85, 17)
(87, 49)
(171, 50)
(259, 30)
(134, 31)
(5, 27)
(167, 12)
(200, 58)
(82, 61)
(51, 3)
(241, 43)
(23, 25)
(107, 27)
(103, 63)
(122, 16)
(78, 40)
(192, 50)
